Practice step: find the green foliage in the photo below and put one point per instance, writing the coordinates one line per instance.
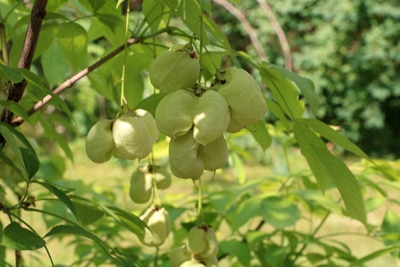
(349, 49)
(260, 218)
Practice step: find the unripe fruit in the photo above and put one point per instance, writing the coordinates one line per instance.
(174, 113)
(177, 68)
(192, 263)
(244, 97)
(100, 142)
(140, 186)
(215, 154)
(179, 255)
(162, 177)
(184, 158)
(211, 117)
(196, 241)
(210, 261)
(158, 222)
(150, 123)
(134, 135)
(212, 244)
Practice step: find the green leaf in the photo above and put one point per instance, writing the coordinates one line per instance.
(334, 136)
(25, 155)
(150, 103)
(239, 168)
(75, 230)
(41, 90)
(260, 133)
(128, 220)
(10, 74)
(61, 195)
(111, 21)
(72, 39)
(15, 108)
(327, 167)
(190, 12)
(238, 249)
(305, 85)
(52, 133)
(87, 213)
(247, 209)
(374, 255)
(279, 212)
(19, 238)
(55, 67)
(284, 92)
(153, 11)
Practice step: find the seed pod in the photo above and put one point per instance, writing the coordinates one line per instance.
(215, 154)
(150, 122)
(211, 117)
(210, 261)
(99, 141)
(174, 113)
(212, 246)
(177, 68)
(192, 263)
(196, 240)
(179, 255)
(162, 177)
(134, 136)
(244, 97)
(140, 186)
(158, 222)
(184, 158)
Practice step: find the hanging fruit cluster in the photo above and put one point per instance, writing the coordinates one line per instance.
(130, 136)
(195, 117)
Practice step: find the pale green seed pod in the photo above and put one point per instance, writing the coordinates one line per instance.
(244, 97)
(140, 189)
(196, 240)
(179, 255)
(184, 158)
(192, 263)
(174, 113)
(177, 68)
(99, 141)
(158, 221)
(162, 177)
(211, 117)
(134, 136)
(215, 154)
(212, 246)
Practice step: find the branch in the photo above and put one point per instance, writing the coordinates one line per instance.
(246, 24)
(279, 32)
(15, 92)
(72, 80)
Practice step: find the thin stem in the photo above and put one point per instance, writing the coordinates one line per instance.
(156, 256)
(298, 254)
(4, 50)
(200, 213)
(201, 37)
(123, 100)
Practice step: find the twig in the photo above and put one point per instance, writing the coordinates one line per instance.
(4, 51)
(71, 81)
(279, 32)
(246, 25)
(15, 92)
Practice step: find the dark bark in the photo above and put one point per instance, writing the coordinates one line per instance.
(15, 91)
